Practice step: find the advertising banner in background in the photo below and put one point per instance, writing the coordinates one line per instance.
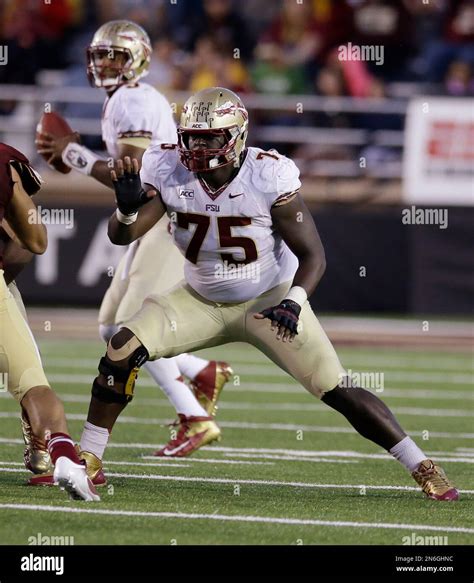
(438, 165)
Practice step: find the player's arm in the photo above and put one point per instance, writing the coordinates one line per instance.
(22, 217)
(69, 149)
(138, 208)
(294, 223)
(101, 169)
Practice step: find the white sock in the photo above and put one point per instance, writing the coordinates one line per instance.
(190, 365)
(408, 453)
(94, 439)
(165, 372)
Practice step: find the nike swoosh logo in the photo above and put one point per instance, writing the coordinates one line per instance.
(176, 449)
(236, 195)
(169, 452)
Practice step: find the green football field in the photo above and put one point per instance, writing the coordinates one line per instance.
(288, 470)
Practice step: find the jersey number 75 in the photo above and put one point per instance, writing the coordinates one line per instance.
(226, 239)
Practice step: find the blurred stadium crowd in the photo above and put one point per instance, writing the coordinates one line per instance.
(267, 47)
(285, 46)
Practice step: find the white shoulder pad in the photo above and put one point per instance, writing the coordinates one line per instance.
(158, 162)
(275, 174)
(137, 113)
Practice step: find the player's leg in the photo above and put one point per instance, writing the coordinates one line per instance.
(35, 455)
(13, 289)
(207, 379)
(113, 296)
(312, 360)
(165, 372)
(167, 375)
(136, 277)
(164, 326)
(21, 364)
(152, 274)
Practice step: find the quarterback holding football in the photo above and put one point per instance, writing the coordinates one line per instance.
(232, 208)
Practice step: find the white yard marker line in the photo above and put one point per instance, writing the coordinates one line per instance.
(406, 394)
(240, 518)
(234, 481)
(457, 453)
(298, 407)
(260, 426)
(304, 454)
(343, 454)
(267, 387)
(172, 463)
(201, 461)
(442, 377)
(409, 362)
(332, 461)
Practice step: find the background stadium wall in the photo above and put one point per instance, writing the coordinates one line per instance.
(375, 263)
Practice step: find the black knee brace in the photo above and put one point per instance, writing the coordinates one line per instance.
(117, 374)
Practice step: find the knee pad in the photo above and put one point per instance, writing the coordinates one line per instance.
(125, 355)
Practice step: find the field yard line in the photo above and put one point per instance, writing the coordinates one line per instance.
(188, 460)
(302, 454)
(347, 454)
(308, 459)
(171, 464)
(256, 387)
(234, 481)
(408, 376)
(276, 454)
(291, 389)
(240, 518)
(298, 407)
(428, 394)
(412, 361)
(258, 426)
(441, 363)
(237, 450)
(458, 452)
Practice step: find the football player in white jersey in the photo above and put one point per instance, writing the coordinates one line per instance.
(135, 116)
(253, 254)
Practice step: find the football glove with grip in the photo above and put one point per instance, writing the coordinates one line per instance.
(286, 314)
(129, 193)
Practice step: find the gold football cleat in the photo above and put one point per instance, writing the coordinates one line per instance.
(193, 433)
(208, 385)
(93, 468)
(434, 481)
(36, 455)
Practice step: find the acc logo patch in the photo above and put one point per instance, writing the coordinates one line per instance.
(188, 194)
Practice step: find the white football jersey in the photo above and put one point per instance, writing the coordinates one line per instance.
(233, 253)
(137, 111)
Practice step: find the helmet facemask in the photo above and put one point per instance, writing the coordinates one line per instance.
(207, 159)
(97, 73)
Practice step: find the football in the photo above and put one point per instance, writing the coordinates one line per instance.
(54, 124)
